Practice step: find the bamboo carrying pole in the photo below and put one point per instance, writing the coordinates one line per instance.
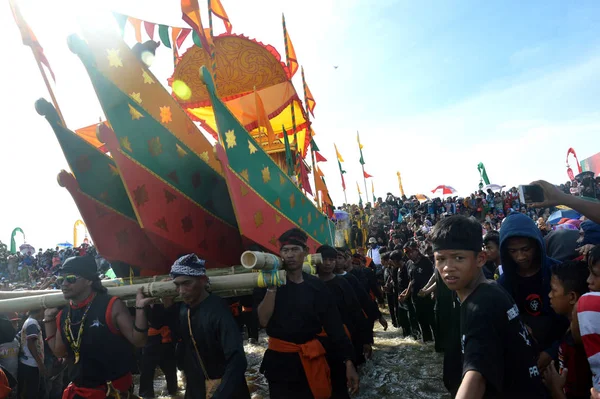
(117, 282)
(255, 260)
(238, 283)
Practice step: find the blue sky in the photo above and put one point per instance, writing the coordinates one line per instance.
(434, 87)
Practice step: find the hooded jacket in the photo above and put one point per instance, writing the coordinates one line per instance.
(547, 326)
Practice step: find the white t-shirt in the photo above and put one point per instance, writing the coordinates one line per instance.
(31, 330)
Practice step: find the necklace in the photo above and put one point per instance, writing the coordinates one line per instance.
(75, 344)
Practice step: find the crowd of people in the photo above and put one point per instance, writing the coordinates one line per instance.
(506, 293)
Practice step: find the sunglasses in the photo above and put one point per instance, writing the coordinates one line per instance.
(71, 279)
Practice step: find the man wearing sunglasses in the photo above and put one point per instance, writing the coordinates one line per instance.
(95, 331)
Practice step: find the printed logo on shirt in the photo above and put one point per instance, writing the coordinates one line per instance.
(525, 334)
(97, 323)
(533, 304)
(419, 270)
(512, 312)
(533, 372)
(462, 344)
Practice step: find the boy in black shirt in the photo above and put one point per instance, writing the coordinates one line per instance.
(497, 357)
(420, 270)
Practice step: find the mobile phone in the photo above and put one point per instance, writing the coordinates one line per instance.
(531, 193)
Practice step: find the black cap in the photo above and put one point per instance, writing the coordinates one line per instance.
(83, 266)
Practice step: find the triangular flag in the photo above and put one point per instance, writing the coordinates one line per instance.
(182, 36)
(304, 176)
(163, 33)
(337, 153)
(319, 157)
(366, 175)
(308, 97)
(217, 9)
(373, 192)
(149, 27)
(137, 27)
(313, 144)
(263, 119)
(290, 53)
(28, 37)
(360, 147)
(191, 15)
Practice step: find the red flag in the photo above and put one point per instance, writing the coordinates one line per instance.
(304, 177)
(366, 175)
(290, 53)
(182, 35)
(28, 37)
(319, 157)
(149, 27)
(191, 15)
(217, 9)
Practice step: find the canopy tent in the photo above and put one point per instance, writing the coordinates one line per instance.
(236, 79)
(493, 187)
(562, 214)
(444, 190)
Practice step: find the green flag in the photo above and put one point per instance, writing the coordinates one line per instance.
(13, 244)
(483, 173)
(288, 153)
(361, 160)
(314, 145)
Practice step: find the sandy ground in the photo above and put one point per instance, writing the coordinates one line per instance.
(399, 368)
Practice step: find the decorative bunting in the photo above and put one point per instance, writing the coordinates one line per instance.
(137, 27)
(149, 28)
(163, 33)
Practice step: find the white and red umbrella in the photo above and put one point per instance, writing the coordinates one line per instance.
(444, 190)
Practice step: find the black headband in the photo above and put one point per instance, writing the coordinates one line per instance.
(293, 241)
(457, 245)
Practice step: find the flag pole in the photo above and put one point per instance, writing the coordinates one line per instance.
(363, 162)
(287, 60)
(309, 131)
(20, 21)
(213, 57)
(54, 102)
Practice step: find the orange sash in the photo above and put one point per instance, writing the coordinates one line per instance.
(312, 356)
(121, 384)
(164, 331)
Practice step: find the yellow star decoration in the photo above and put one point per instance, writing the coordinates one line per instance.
(113, 170)
(147, 78)
(136, 96)
(251, 147)
(243, 190)
(180, 151)
(230, 138)
(277, 218)
(113, 58)
(314, 233)
(258, 219)
(165, 114)
(204, 156)
(300, 220)
(277, 203)
(124, 141)
(273, 240)
(309, 218)
(281, 179)
(303, 200)
(322, 227)
(244, 174)
(135, 114)
(292, 201)
(266, 174)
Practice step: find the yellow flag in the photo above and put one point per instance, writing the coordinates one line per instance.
(358, 188)
(337, 153)
(358, 141)
(400, 183)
